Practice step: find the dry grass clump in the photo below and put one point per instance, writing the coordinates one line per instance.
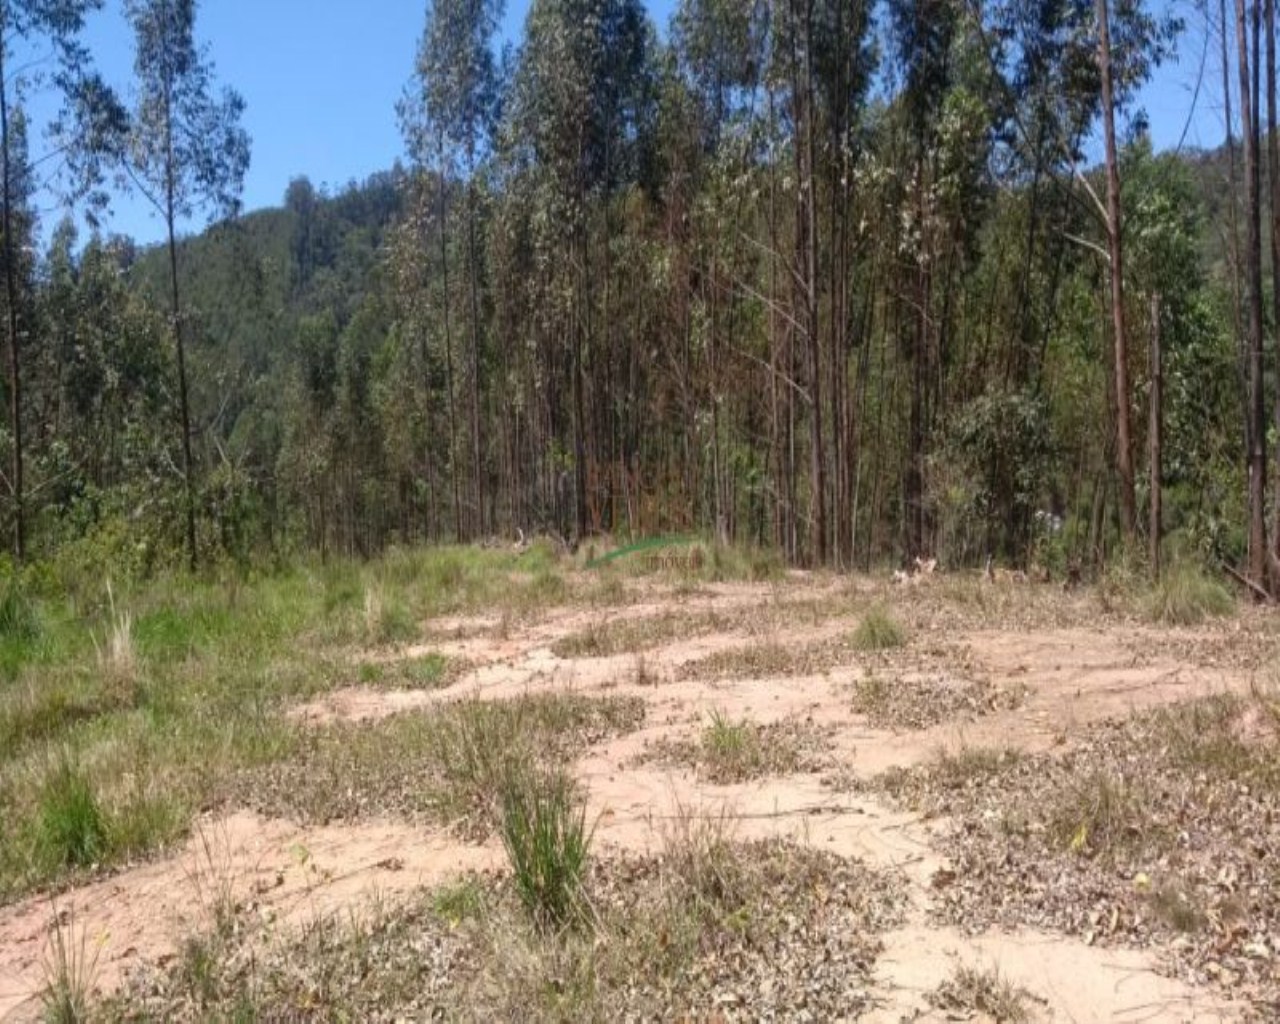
(1101, 814)
(69, 965)
(729, 751)
(784, 928)
(632, 636)
(447, 765)
(916, 702)
(117, 655)
(643, 673)
(1179, 906)
(969, 766)
(986, 993)
(953, 776)
(768, 659)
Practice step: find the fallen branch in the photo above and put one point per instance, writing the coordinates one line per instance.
(1260, 592)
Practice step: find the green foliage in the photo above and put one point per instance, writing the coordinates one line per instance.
(19, 618)
(460, 902)
(1001, 449)
(878, 631)
(729, 746)
(428, 671)
(1185, 596)
(72, 827)
(422, 355)
(70, 966)
(545, 834)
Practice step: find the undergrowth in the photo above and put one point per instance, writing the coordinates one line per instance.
(1185, 596)
(170, 689)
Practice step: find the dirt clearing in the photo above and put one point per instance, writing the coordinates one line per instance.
(806, 799)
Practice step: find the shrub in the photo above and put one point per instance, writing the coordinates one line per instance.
(70, 969)
(18, 617)
(544, 831)
(878, 631)
(1101, 815)
(386, 622)
(1185, 596)
(72, 828)
(730, 747)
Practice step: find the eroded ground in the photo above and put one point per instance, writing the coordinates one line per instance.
(1002, 803)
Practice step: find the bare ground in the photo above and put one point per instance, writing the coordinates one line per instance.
(1020, 668)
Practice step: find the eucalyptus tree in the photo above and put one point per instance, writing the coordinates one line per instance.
(580, 106)
(186, 153)
(19, 228)
(710, 134)
(1115, 249)
(1066, 66)
(80, 134)
(452, 112)
(1273, 197)
(1248, 32)
(97, 382)
(846, 62)
(924, 34)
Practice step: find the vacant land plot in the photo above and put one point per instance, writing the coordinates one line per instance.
(473, 785)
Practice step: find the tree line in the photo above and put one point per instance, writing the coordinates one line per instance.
(843, 278)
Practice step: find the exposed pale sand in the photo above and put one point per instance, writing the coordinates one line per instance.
(1072, 677)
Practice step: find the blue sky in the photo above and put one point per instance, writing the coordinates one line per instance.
(321, 79)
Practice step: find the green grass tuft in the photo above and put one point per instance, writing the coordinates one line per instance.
(70, 970)
(428, 671)
(1185, 596)
(545, 833)
(730, 747)
(19, 619)
(879, 631)
(461, 901)
(73, 830)
(1101, 815)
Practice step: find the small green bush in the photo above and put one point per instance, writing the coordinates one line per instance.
(462, 901)
(73, 830)
(1101, 815)
(70, 967)
(879, 631)
(1185, 596)
(544, 831)
(731, 749)
(18, 617)
(428, 671)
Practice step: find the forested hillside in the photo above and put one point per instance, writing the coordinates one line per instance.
(826, 277)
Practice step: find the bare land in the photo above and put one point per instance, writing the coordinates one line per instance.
(1002, 803)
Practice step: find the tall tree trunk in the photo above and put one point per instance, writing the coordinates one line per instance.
(1249, 110)
(171, 214)
(1237, 304)
(1124, 443)
(11, 319)
(1273, 163)
(188, 469)
(477, 441)
(807, 246)
(1155, 439)
(580, 331)
(443, 186)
